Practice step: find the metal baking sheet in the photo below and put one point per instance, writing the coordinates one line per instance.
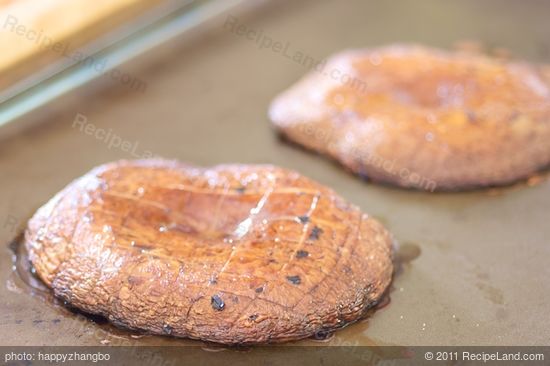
(481, 276)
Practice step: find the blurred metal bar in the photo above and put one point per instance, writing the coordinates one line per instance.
(182, 19)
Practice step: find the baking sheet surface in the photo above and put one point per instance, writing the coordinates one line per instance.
(482, 274)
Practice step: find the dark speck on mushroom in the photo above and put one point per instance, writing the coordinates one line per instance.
(166, 329)
(315, 233)
(241, 190)
(259, 290)
(303, 219)
(295, 280)
(302, 254)
(217, 303)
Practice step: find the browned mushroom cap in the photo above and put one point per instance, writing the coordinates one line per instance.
(233, 254)
(423, 118)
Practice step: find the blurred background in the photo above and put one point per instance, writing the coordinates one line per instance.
(53, 47)
(86, 82)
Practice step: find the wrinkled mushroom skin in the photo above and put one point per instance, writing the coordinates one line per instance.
(233, 254)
